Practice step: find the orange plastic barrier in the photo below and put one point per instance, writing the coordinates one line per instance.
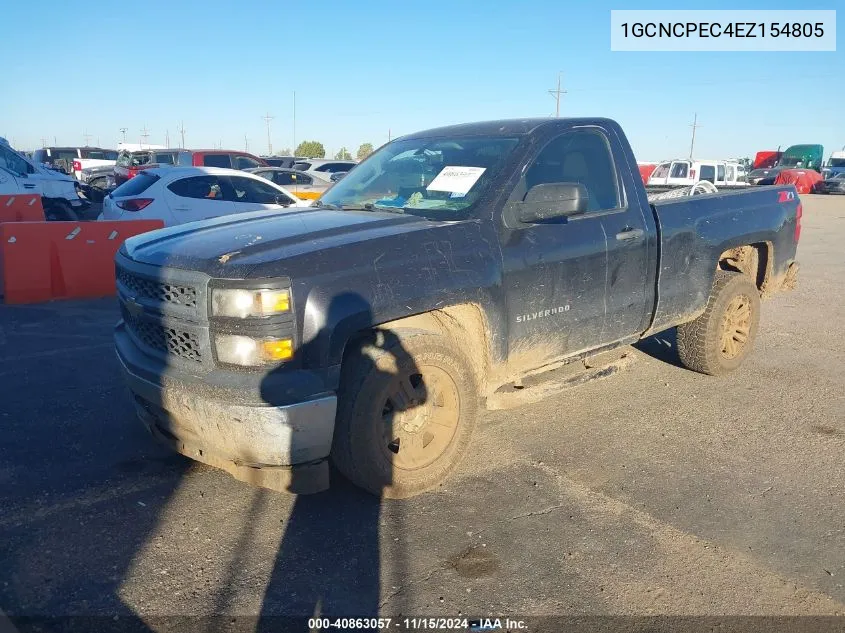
(21, 208)
(40, 261)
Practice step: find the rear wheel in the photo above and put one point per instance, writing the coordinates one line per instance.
(720, 339)
(406, 411)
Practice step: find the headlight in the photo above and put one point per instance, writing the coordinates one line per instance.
(250, 352)
(249, 303)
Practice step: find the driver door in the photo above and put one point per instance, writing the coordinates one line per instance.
(555, 271)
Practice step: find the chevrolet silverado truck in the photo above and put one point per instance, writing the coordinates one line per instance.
(370, 329)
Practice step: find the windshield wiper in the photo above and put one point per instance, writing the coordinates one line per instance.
(369, 206)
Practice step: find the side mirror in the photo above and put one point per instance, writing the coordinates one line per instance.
(283, 200)
(553, 200)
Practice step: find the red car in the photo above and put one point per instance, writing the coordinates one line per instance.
(231, 159)
(130, 163)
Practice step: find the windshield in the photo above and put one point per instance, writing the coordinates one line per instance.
(438, 178)
(836, 162)
(661, 171)
(801, 156)
(759, 173)
(680, 170)
(792, 161)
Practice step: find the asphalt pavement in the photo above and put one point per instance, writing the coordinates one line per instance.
(652, 491)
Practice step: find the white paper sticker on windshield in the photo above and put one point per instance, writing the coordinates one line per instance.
(454, 179)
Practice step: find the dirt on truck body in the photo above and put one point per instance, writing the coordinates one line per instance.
(370, 328)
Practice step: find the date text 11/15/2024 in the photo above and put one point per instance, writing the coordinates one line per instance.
(417, 624)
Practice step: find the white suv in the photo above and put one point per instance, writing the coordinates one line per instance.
(18, 174)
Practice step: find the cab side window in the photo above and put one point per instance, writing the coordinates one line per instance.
(283, 178)
(245, 162)
(581, 156)
(200, 187)
(217, 160)
(255, 191)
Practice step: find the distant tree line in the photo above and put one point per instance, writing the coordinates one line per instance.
(315, 149)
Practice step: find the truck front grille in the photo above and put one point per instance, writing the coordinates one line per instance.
(158, 291)
(166, 339)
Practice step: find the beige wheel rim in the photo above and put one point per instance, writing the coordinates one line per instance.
(736, 326)
(420, 417)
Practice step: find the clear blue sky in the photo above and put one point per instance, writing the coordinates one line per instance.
(361, 69)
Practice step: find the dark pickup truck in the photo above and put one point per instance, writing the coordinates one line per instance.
(371, 328)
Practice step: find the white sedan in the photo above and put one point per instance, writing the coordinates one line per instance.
(177, 195)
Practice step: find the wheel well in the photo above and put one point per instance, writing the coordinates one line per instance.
(753, 260)
(464, 323)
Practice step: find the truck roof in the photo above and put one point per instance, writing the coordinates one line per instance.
(503, 127)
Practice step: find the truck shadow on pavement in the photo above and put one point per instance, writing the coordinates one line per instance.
(89, 496)
(329, 563)
(81, 487)
(662, 346)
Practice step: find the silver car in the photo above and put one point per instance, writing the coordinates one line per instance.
(305, 186)
(323, 165)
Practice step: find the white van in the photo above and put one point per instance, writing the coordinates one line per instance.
(19, 174)
(685, 173)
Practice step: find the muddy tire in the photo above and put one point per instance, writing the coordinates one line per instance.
(720, 339)
(407, 407)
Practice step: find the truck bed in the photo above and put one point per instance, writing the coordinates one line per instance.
(693, 232)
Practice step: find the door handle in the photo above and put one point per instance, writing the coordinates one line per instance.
(29, 186)
(629, 234)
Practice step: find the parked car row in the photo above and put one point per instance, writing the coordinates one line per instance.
(130, 163)
(72, 160)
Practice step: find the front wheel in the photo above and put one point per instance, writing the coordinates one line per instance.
(406, 411)
(720, 339)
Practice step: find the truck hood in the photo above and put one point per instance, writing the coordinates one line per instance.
(234, 246)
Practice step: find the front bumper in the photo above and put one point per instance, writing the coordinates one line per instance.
(278, 447)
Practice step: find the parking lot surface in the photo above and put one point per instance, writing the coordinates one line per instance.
(655, 490)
